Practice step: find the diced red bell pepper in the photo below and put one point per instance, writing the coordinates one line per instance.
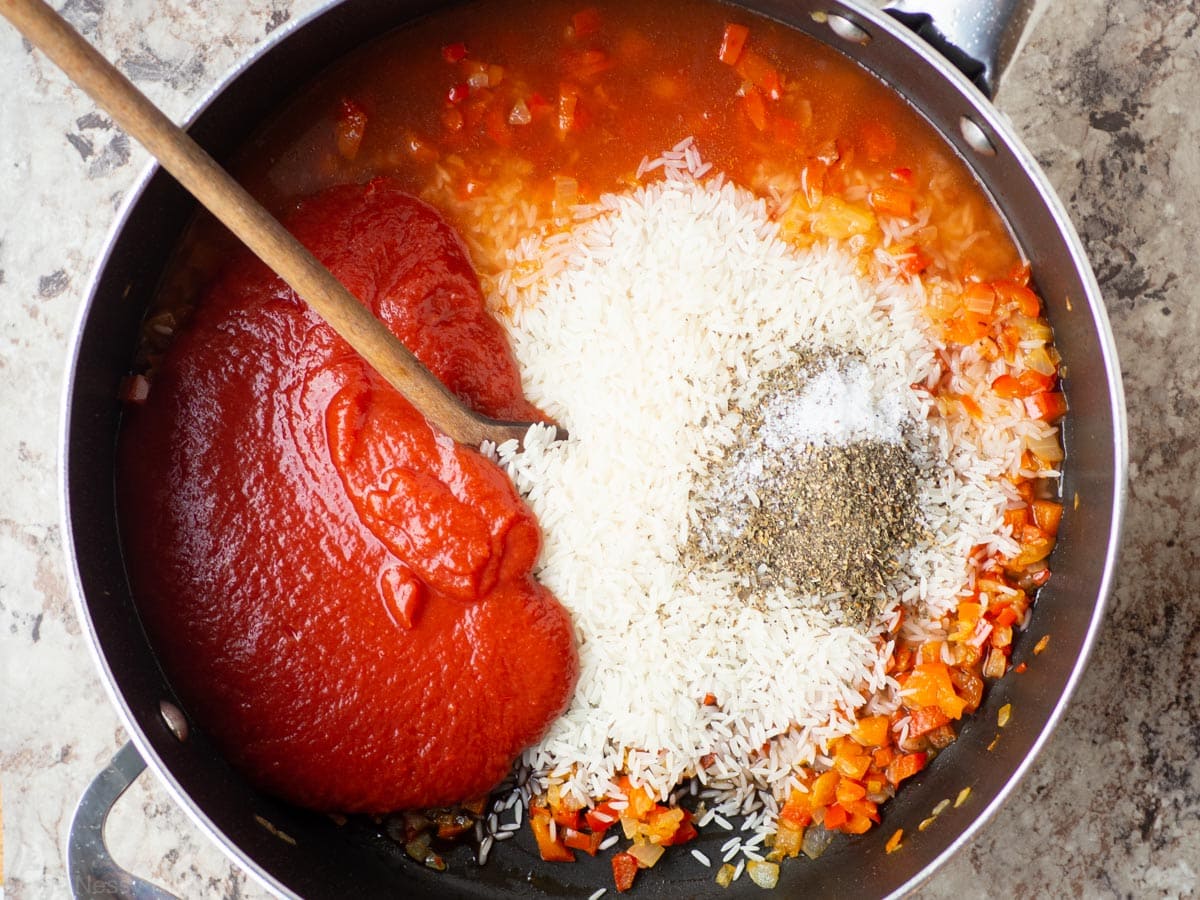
(905, 767)
(757, 69)
(1048, 515)
(925, 719)
(755, 108)
(1048, 406)
(1025, 300)
(567, 818)
(600, 818)
(684, 833)
(835, 817)
(551, 848)
(624, 866)
(1034, 382)
(892, 201)
(732, 43)
(579, 840)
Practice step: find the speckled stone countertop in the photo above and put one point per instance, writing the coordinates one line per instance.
(1104, 95)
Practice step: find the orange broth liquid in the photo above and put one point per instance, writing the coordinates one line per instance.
(645, 76)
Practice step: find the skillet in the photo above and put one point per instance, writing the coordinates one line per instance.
(296, 853)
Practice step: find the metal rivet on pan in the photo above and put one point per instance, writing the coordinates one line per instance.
(174, 718)
(847, 30)
(976, 138)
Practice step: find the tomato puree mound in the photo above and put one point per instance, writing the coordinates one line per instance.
(342, 596)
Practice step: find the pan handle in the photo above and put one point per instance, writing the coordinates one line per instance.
(91, 868)
(978, 36)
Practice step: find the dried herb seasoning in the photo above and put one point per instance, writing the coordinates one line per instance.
(819, 519)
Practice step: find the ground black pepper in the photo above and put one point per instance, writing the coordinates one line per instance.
(831, 521)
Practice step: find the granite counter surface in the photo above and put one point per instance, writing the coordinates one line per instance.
(1104, 95)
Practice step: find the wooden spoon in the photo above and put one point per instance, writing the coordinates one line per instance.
(200, 174)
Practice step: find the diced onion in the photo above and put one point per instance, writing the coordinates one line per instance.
(816, 839)
(1039, 360)
(646, 854)
(1045, 446)
(520, 114)
(764, 874)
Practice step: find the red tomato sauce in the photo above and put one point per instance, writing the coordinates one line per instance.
(341, 596)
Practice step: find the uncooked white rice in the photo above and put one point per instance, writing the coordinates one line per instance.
(639, 329)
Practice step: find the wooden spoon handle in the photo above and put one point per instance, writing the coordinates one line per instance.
(246, 218)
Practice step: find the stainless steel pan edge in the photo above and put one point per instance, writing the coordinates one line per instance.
(136, 690)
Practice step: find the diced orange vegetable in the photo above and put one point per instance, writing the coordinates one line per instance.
(757, 69)
(579, 840)
(1006, 616)
(893, 843)
(871, 731)
(824, 789)
(905, 767)
(661, 823)
(881, 757)
(926, 719)
(979, 299)
(840, 220)
(915, 261)
(640, 802)
(755, 108)
(892, 201)
(835, 817)
(966, 328)
(849, 790)
(930, 685)
(1048, 406)
(684, 833)
(1007, 386)
(1034, 382)
(971, 407)
(1048, 515)
(732, 43)
(551, 848)
(857, 824)
(798, 810)
(624, 867)
(852, 766)
(1017, 518)
(1025, 300)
